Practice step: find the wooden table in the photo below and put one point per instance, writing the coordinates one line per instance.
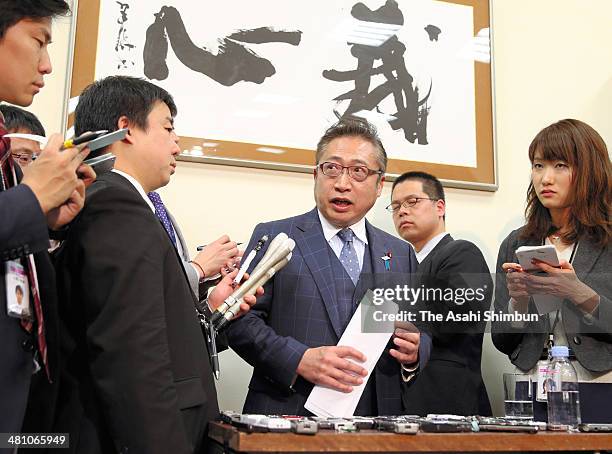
(233, 440)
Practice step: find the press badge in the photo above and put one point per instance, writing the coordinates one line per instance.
(17, 291)
(542, 367)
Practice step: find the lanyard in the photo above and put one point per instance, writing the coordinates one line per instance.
(551, 342)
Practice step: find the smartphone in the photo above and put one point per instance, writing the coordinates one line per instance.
(304, 427)
(508, 428)
(445, 426)
(105, 140)
(546, 253)
(399, 427)
(595, 427)
(103, 162)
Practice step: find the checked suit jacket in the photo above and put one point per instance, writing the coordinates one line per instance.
(299, 310)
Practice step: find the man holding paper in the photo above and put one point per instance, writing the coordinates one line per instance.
(291, 335)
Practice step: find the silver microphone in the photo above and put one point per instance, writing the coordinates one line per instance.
(265, 276)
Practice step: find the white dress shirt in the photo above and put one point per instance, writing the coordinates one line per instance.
(420, 256)
(138, 187)
(146, 198)
(359, 243)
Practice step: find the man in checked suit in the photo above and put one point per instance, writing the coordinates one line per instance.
(452, 382)
(290, 336)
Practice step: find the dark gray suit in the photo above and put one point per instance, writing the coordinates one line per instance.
(592, 343)
(590, 340)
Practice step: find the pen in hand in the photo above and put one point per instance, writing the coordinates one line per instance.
(201, 247)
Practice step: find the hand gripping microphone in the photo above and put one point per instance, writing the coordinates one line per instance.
(275, 245)
(275, 258)
(235, 308)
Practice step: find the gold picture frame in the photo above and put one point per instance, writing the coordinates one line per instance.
(265, 153)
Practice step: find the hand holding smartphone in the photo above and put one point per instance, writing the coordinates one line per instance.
(546, 253)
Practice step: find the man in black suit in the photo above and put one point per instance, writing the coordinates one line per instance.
(458, 280)
(137, 376)
(47, 196)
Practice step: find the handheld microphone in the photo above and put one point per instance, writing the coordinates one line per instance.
(241, 291)
(265, 277)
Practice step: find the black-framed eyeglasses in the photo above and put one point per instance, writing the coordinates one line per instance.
(357, 173)
(23, 158)
(408, 203)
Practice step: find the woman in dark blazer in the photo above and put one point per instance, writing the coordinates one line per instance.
(568, 206)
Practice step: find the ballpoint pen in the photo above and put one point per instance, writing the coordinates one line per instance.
(211, 342)
(201, 247)
(214, 355)
(249, 259)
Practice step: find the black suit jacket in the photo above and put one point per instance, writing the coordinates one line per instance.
(23, 230)
(451, 383)
(136, 374)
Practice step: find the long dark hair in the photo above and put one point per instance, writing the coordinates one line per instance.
(579, 145)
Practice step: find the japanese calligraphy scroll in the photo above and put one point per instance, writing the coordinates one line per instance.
(256, 83)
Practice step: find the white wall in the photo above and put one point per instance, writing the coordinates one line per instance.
(552, 61)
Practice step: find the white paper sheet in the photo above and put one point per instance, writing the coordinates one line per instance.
(326, 402)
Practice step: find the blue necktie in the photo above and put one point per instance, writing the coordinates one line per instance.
(162, 214)
(348, 256)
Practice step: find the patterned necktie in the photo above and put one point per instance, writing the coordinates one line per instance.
(348, 256)
(7, 171)
(162, 214)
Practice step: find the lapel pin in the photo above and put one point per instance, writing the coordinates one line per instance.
(386, 260)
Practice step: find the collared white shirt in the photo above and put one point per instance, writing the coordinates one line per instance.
(146, 198)
(138, 187)
(423, 253)
(359, 243)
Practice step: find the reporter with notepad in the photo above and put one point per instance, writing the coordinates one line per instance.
(568, 206)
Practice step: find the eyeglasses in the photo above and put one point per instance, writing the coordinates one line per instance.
(23, 159)
(408, 203)
(357, 173)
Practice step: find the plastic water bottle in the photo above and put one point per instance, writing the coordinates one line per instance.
(562, 392)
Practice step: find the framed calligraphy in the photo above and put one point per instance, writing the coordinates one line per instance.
(257, 83)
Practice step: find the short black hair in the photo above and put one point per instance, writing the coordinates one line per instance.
(431, 185)
(105, 101)
(14, 11)
(16, 119)
(353, 127)
(18, 289)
